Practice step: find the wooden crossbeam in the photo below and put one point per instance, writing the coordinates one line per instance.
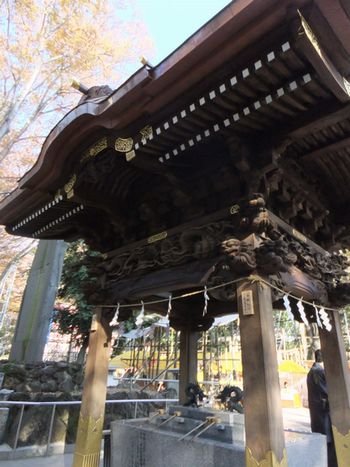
(325, 115)
(337, 146)
(219, 215)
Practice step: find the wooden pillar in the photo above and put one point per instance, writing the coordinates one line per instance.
(338, 384)
(91, 417)
(262, 401)
(188, 361)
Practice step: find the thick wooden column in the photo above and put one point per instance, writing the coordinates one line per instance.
(338, 384)
(262, 401)
(188, 361)
(89, 434)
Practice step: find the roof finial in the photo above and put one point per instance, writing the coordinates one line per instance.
(80, 87)
(145, 62)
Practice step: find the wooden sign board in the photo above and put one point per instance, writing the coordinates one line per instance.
(247, 302)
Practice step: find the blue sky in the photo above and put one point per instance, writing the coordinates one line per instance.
(171, 22)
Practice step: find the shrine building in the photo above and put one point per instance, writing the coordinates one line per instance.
(222, 174)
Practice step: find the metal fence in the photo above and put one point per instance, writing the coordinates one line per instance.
(54, 404)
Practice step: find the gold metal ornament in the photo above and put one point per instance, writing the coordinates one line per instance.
(75, 84)
(147, 132)
(124, 144)
(234, 209)
(310, 34)
(58, 194)
(269, 459)
(342, 447)
(95, 149)
(68, 187)
(130, 155)
(157, 237)
(88, 444)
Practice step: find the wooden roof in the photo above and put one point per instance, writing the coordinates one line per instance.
(256, 100)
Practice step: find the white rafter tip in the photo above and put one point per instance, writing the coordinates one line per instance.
(222, 88)
(271, 56)
(235, 117)
(257, 105)
(258, 65)
(293, 85)
(227, 122)
(233, 80)
(245, 73)
(285, 46)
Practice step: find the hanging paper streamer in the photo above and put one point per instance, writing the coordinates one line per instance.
(318, 321)
(325, 319)
(140, 317)
(170, 307)
(166, 319)
(287, 306)
(117, 332)
(114, 321)
(206, 300)
(302, 313)
(115, 335)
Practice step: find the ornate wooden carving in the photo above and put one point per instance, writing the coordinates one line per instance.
(248, 242)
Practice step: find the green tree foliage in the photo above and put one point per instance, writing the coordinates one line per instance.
(73, 315)
(44, 44)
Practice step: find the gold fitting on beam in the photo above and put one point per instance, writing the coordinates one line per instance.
(145, 62)
(212, 420)
(124, 144)
(157, 414)
(75, 84)
(130, 155)
(78, 86)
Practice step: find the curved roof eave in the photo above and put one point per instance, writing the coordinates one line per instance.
(147, 91)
